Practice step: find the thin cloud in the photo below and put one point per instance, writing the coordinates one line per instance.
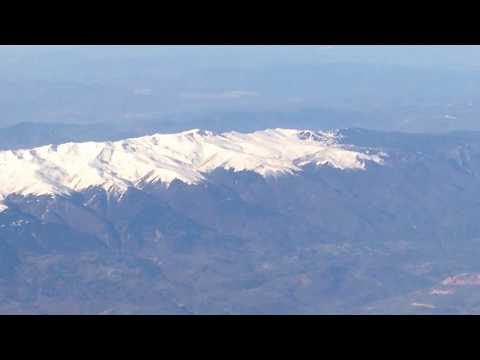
(225, 95)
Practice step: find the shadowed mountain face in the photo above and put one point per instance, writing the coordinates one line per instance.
(402, 237)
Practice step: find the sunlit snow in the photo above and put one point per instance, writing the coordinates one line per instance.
(186, 156)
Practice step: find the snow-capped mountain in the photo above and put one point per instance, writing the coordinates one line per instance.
(162, 158)
(390, 217)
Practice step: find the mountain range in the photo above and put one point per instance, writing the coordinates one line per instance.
(274, 221)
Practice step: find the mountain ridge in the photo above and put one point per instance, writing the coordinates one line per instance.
(163, 158)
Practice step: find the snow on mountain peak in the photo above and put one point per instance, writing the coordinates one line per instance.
(186, 156)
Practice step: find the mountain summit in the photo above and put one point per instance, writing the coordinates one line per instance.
(186, 156)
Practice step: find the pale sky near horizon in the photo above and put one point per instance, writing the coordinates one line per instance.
(421, 55)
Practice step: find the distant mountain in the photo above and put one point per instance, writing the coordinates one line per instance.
(33, 134)
(28, 135)
(278, 221)
(187, 157)
(85, 89)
